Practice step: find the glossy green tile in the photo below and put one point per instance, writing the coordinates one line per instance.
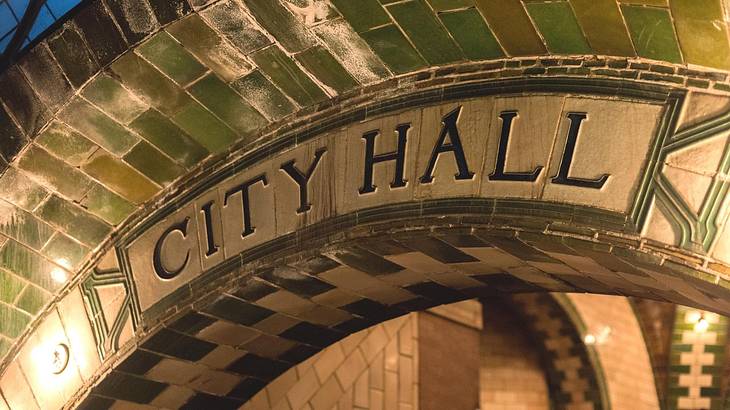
(25, 263)
(320, 62)
(204, 128)
(603, 26)
(394, 49)
(362, 14)
(115, 100)
(263, 94)
(287, 76)
(658, 3)
(472, 33)
(209, 47)
(33, 299)
(74, 221)
(222, 101)
(155, 165)
(559, 27)
(5, 346)
(98, 127)
(171, 58)
(18, 189)
(168, 138)
(653, 33)
(107, 205)
(702, 32)
(234, 22)
(62, 141)
(444, 5)
(23, 227)
(149, 84)
(426, 32)
(12, 321)
(512, 27)
(54, 173)
(120, 178)
(11, 288)
(65, 251)
(282, 24)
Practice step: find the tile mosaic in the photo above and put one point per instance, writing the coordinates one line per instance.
(32, 299)
(559, 27)
(281, 24)
(65, 250)
(472, 34)
(263, 95)
(63, 142)
(12, 286)
(109, 95)
(98, 127)
(23, 227)
(603, 26)
(169, 138)
(51, 171)
(153, 164)
(74, 220)
(220, 99)
(393, 48)
(362, 15)
(165, 53)
(288, 76)
(659, 43)
(510, 23)
(120, 178)
(13, 321)
(230, 19)
(320, 62)
(107, 205)
(209, 47)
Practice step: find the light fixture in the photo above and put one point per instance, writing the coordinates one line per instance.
(589, 339)
(599, 337)
(59, 275)
(701, 324)
(59, 358)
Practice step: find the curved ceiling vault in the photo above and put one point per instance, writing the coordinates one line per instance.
(306, 168)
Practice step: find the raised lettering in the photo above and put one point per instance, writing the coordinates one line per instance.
(499, 173)
(210, 239)
(248, 229)
(399, 156)
(449, 129)
(303, 179)
(576, 118)
(160, 268)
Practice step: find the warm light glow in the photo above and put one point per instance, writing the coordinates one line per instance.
(589, 339)
(51, 358)
(599, 337)
(64, 262)
(694, 316)
(59, 275)
(701, 325)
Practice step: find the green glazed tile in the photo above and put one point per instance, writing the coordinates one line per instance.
(653, 33)
(11, 287)
(107, 205)
(445, 5)
(209, 47)
(23, 227)
(18, 189)
(120, 178)
(74, 221)
(352, 51)
(287, 76)
(149, 84)
(168, 138)
(234, 23)
(394, 49)
(54, 173)
(472, 33)
(320, 62)
(25, 263)
(658, 3)
(282, 24)
(151, 162)
(558, 26)
(65, 251)
(115, 100)
(171, 58)
(701, 40)
(362, 14)
(603, 26)
(222, 101)
(12, 321)
(64, 142)
(512, 27)
(205, 128)
(263, 95)
(98, 127)
(5, 346)
(33, 299)
(425, 31)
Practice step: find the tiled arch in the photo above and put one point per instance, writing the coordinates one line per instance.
(85, 162)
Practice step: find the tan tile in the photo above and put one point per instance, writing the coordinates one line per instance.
(303, 390)
(327, 395)
(325, 316)
(346, 401)
(268, 346)
(278, 388)
(351, 342)
(377, 372)
(78, 329)
(349, 278)
(173, 397)
(128, 405)
(377, 399)
(361, 392)
(391, 390)
(406, 341)
(405, 380)
(221, 357)
(328, 361)
(286, 302)
(15, 388)
(275, 324)
(227, 333)
(374, 343)
(175, 371)
(335, 298)
(391, 355)
(350, 369)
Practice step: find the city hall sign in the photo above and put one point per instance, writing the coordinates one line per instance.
(585, 149)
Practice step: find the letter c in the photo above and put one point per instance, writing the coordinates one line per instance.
(160, 268)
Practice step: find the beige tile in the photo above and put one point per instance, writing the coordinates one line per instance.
(268, 346)
(377, 399)
(221, 357)
(173, 397)
(327, 395)
(227, 333)
(303, 390)
(377, 372)
(325, 316)
(659, 228)
(215, 382)
(328, 361)
(391, 390)
(335, 298)
(406, 340)
(361, 392)
(286, 302)
(15, 388)
(78, 330)
(128, 405)
(391, 355)
(175, 371)
(351, 342)
(350, 369)
(275, 324)
(374, 343)
(213, 255)
(278, 388)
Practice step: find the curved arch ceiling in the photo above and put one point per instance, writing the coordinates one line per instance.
(128, 106)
